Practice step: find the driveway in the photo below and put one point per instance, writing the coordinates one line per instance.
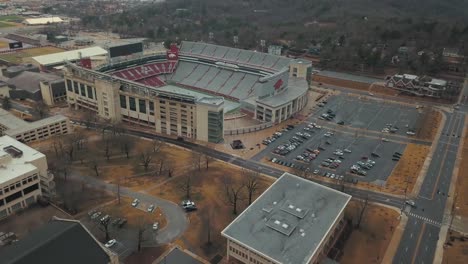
(176, 220)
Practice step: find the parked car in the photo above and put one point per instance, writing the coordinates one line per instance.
(110, 243)
(105, 219)
(151, 208)
(188, 205)
(135, 202)
(155, 226)
(411, 203)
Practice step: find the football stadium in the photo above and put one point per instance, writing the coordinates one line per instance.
(190, 90)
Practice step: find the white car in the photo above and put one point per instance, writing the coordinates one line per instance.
(384, 140)
(135, 202)
(155, 226)
(110, 243)
(347, 150)
(410, 133)
(410, 202)
(151, 208)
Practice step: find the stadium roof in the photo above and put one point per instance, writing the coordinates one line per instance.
(289, 221)
(42, 20)
(296, 88)
(72, 55)
(59, 241)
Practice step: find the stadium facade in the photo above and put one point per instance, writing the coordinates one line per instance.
(186, 92)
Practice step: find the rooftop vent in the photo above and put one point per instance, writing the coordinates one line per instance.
(13, 151)
(283, 228)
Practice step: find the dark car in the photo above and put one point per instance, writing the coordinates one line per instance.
(373, 154)
(341, 123)
(122, 222)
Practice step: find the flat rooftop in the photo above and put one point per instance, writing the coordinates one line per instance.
(10, 121)
(36, 124)
(12, 167)
(288, 222)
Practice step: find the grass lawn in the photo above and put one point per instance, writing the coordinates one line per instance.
(462, 181)
(457, 249)
(407, 169)
(11, 18)
(369, 243)
(20, 55)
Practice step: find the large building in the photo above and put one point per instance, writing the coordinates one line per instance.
(33, 131)
(187, 92)
(57, 242)
(57, 60)
(33, 85)
(294, 221)
(23, 176)
(420, 86)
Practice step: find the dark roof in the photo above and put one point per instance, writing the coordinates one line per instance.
(59, 241)
(29, 81)
(177, 256)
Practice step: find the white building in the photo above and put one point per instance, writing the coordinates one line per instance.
(33, 131)
(23, 176)
(42, 21)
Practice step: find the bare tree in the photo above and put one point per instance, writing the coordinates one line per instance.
(233, 194)
(208, 159)
(126, 144)
(143, 224)
(107, 150)
(208, 216)
(104, 226)
(89, 118)
(118, 190)
(145, 159)
(363, 203)
(156, 144)
(197, 160)
(186, 186)
(251, 183)
(95, 166)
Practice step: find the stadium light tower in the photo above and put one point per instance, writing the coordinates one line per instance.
(210, 36)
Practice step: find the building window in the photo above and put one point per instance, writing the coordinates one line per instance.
(123, 101)
(142, 106)
(69, 86)
(132, 102)
(90, 92)
(151, 106)
(82, 89)
(75, 86)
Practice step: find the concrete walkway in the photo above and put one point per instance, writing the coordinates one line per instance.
(176, 219)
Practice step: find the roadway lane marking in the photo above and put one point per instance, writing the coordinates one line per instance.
(425, 219)
(418, 243)
(455, 126)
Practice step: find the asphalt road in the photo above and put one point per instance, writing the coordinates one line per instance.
(419, 240)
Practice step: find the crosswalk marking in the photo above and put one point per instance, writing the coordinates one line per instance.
(425, 219)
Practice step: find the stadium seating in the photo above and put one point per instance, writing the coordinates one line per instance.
(225, 82)
(236, 56)
(148, 73)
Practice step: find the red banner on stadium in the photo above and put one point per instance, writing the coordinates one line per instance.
(85, 63)
(278, 84)
(173, 52)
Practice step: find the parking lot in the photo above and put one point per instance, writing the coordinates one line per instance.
(329, 147)
(372, 115)
(123, 226)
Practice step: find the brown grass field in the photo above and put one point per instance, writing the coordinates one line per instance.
(23, 56)
(369, 243)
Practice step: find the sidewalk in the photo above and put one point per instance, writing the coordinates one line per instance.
(395, 242)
